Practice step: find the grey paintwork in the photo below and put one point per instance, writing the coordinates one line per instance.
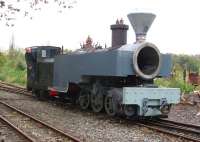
(70, 68)
(141, 22)
(136, 95)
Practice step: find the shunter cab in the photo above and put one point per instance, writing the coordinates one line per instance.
(40, 62)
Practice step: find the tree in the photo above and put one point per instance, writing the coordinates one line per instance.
(191, 63)
(11, 9)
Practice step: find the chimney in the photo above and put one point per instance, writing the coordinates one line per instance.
(119, 33)
(141, 23)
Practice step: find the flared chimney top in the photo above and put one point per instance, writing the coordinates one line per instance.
(141, 23)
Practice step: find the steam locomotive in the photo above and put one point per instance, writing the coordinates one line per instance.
(118, 79)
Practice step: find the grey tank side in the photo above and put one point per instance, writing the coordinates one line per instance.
(70, 68)
(166, 65)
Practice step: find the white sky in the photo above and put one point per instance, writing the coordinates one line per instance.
(175, 30)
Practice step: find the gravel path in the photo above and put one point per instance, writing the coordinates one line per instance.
(92, 127)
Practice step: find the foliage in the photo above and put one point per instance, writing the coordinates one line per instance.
(2, 59)
(175, 82)
(67, 51)
(190, 63)
(13, 67)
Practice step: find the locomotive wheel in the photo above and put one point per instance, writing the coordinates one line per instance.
(110, 105)
(129, 110)
(97, 102)
(97, 98)
(84, 99)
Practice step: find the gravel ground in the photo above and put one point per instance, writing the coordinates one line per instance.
(185, 113)
(87, 125)
(9, 135)
(30, 127)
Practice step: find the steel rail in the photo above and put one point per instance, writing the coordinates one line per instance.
(169, 132)
(179, 123)
(68, 135)
(175, 127)
(11, 85)
(16, 129)
(14, 90)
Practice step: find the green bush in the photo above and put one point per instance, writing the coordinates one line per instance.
(180, 62)
(2, 59)
(176, 81)
(184, 86)
(13, 67)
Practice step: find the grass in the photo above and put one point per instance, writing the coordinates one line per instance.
(13, 67)
(176, 81)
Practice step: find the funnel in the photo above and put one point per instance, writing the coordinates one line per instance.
(141, 23)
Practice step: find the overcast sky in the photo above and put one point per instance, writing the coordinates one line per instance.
(175, 30)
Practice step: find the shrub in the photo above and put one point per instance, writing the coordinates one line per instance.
(13, 67)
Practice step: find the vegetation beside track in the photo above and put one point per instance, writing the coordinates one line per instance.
(180, 63)
(13, 69)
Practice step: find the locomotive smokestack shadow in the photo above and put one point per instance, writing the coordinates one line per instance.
(141, 23)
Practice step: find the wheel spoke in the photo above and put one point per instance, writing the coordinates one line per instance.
(97, 97)
(110, 106)
(97, 102)
(84, 100)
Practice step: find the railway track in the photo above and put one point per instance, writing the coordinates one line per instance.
(13, 127)
(181, 130)
(8, 133)
(11, 85)
(184, 131)
(13, 88)
(32, 128)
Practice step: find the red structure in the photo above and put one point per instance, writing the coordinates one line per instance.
(194, 78)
